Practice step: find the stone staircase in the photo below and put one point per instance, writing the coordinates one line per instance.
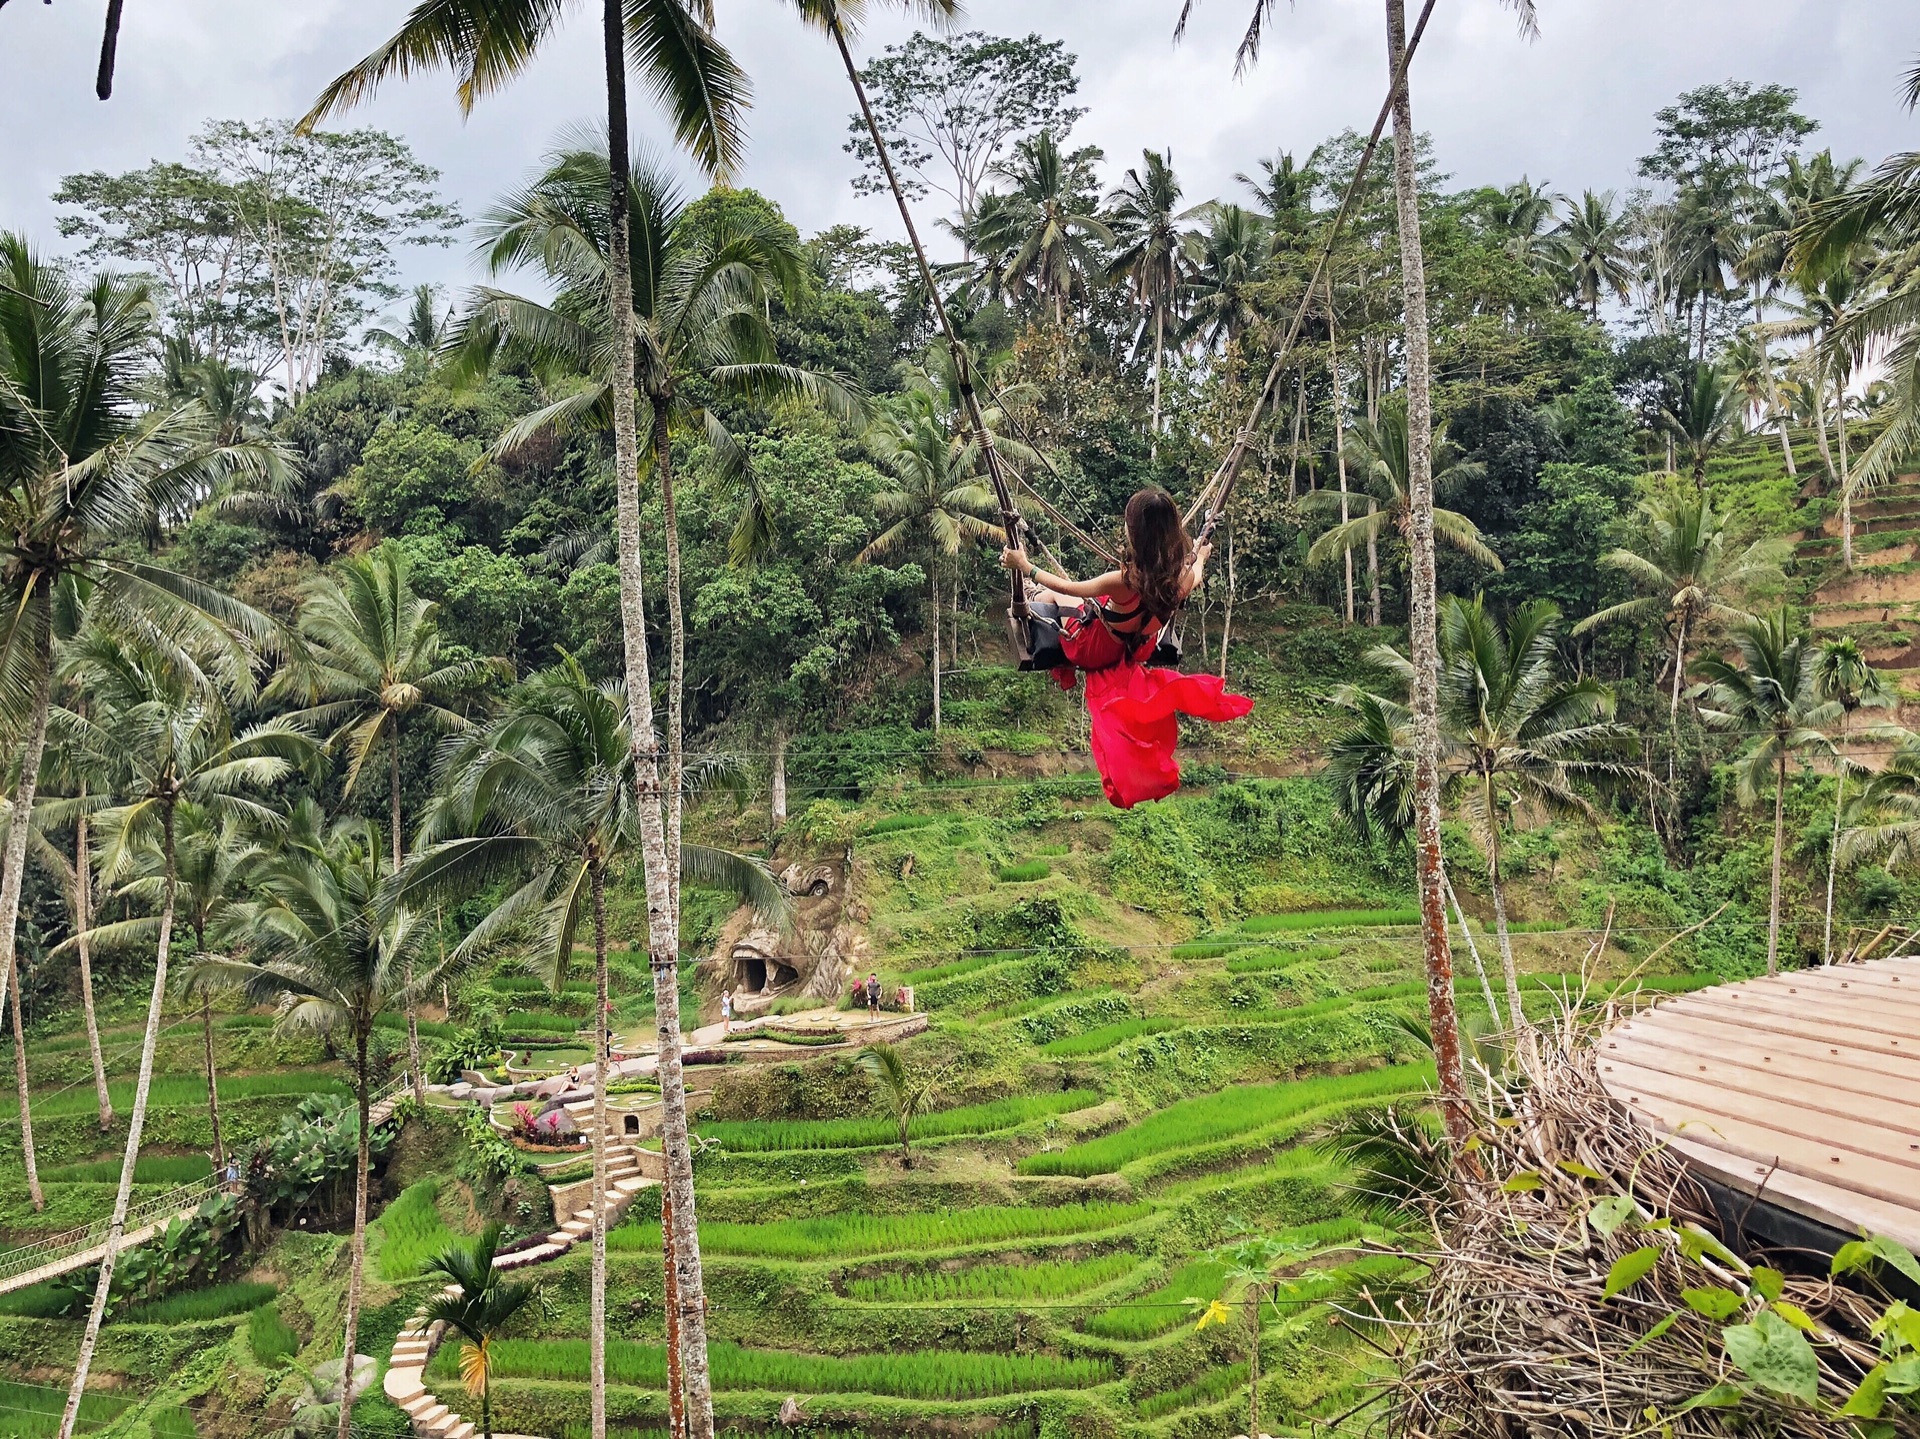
(629, 1171)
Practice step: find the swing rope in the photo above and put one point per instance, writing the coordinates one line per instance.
(1217, 494)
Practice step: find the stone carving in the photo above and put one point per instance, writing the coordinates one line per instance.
(759, 962)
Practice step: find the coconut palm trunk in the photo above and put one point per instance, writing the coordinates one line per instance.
(26, 1097)
(1497, 879)
(1423, 602)
(1340, 462)
(1460, 916)
(213, 1088)
(1159, 357)
(1773, 381)
(13, 863)
(934, 589)
(670, 1290)
(778, 794)
(676, 641)
(357, 1258)
(117, 1224)
(415, 1071)
(1846, 477)
(1773, 893)
(662, 921)
(597, 1292)
(1373, 574)
(82, 919)
(1833, 856)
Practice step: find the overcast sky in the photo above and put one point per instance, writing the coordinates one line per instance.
(1574, 107)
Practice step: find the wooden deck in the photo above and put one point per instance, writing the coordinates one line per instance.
(1803, 1089)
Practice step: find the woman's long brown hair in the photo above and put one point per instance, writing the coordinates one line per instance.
(1154, 562)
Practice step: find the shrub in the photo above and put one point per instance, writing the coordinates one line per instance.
(270, 1337)
(993, 1281)
(842, 1235)
(1221, 1115)
(942, 1374)
(411, 1231)
(756, 1136)
(1026, 873)
(216, 1301)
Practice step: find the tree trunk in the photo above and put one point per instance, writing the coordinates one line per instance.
(13, 864)
(415, 1070)
(26, 1098)
(213, 1090)
(1373, 574)
(1773, 893)
(116, 1226)
(1833, 855)
(1423, 605)
(1340, 454)
(1159, 354)
(597, 1293)
(1498, 880)
(82, 918)
(1486, 988)
(676, 648)
(357, 1255)
(1293, 452)
(670, 1295)
(1673, 709)
(779, 790)
(1773, 382)
(1818, 385)
(935, 590)
(660, 864)
(1846, 477)
(1253, 1372)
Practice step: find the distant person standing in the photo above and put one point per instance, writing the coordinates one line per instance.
(726, 1011)
(873, 997)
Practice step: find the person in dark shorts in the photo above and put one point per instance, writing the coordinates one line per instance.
(873, 997)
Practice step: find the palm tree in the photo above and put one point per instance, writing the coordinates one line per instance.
(1044, 227)
(78, 771)
(939, 505)
(1150, 256)
(1842, 676)
(905, 1091)
(1513, 731)
(1829, 312)
(1772, 694)
(1523, 212)
(1688, 572)
(1224, 262)
(544, 798)
(325, 944)
(82, 467)
(1385, 471)
(374, 646)
(482, 1304)
(178, 747)
(1595, 236)
(671, 43)
(1711, 411)
(1284, 191)
(421, 334)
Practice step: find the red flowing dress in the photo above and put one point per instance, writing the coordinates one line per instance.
(1132, 708)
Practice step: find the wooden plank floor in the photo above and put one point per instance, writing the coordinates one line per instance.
(1803, 1088)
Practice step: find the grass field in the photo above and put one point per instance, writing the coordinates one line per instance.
(32, 1411)
(845, 1235)
(1221, 1115)
(411, 1231)
(1165, 1307)
(760, 1136)
(1099, 1041)
(217, 1301)
(993, 1281)
(936, 1374)
(175, 1091)
(270, 1337)
(148, 1169)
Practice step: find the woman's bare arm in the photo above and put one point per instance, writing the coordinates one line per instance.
(1096, 588)
(1197, 571)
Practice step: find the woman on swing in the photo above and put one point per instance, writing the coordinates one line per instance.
(1112, 634)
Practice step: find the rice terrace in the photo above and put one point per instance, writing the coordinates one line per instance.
(958, 720)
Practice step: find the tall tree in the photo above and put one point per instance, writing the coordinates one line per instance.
(672, 45)
(950, 106)
(82, 467)
(1685, 563)
(179, 748)
(1771, 694)
(1710, 412)
(938, 507)
(1843, 677)
(1595, 236)
(1224, 263)
(374, 647)
(325, 944)
(1150, 255)
(1044, 230)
